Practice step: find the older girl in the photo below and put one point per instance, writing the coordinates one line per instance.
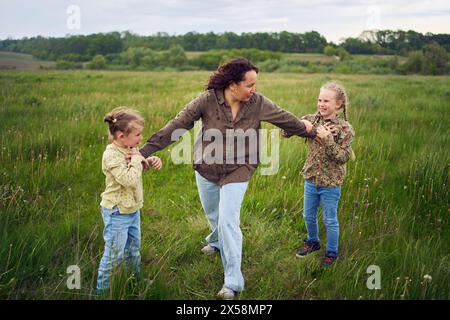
(325, 169)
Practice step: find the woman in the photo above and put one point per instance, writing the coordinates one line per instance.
(229, 104)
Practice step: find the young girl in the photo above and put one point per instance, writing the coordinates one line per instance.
(324, 170)
(123, 196)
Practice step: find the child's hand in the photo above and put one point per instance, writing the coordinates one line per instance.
(326, 130)
(334, 130)
(308, 125)
(131, 154)
(128, 157)
(145, 165)
(154, 162)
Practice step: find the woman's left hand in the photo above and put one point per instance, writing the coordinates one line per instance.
(155, 162)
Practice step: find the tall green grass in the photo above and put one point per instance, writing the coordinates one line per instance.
(394, 210)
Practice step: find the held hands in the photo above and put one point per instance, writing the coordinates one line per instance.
(308, 125)
(153, 162)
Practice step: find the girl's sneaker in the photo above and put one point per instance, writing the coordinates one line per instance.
(330, 258)
(308, 247)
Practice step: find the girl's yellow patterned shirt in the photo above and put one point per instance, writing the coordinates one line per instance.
(123, 181)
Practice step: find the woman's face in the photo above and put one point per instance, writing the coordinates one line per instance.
(246, 88)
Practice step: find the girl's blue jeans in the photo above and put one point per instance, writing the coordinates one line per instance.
(329, 198)
(222, 206)
(122, 235)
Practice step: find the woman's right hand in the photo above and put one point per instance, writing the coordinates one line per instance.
(308, 125)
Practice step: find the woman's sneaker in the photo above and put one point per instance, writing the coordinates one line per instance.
(330, 258)
(226, 294)
(209, 250)
(308, 247)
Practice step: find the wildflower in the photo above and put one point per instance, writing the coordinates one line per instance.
(283, 177)
(427, 278)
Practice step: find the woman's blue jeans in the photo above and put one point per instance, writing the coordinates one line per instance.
(222, 206)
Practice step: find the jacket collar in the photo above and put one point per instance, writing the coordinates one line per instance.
(335, 120)
(220, 96)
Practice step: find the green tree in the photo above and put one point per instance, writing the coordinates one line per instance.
(415, 62)
(435, 59)
(98, 62)
(359, 46)
(314, 41)
(152, 60)
(343, 54)
(329, 51)
(176, 56)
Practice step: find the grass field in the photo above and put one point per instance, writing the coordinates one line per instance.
(394, 209)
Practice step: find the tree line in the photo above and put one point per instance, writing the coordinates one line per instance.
(85, 47)
(397, 52)
(391, 42)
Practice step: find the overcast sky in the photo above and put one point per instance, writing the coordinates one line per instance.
(334, 19)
